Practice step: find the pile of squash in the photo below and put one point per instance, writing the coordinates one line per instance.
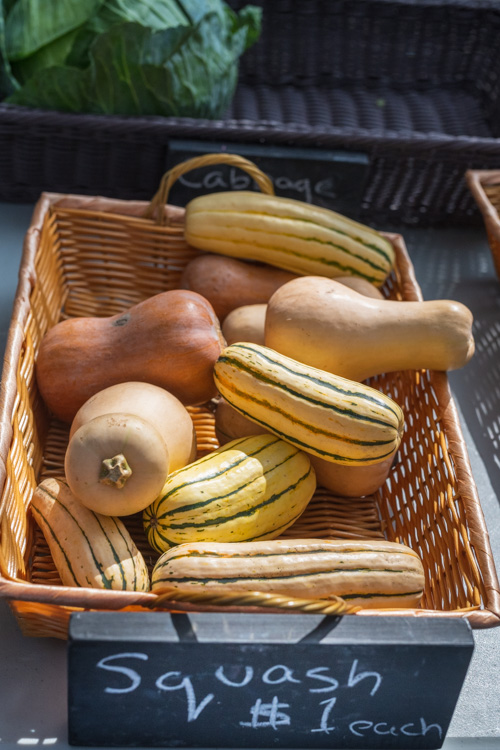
(279, 322)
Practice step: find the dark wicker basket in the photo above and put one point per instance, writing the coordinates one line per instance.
(413, 84)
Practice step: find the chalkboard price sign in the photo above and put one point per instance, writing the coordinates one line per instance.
(263, 681)
(327, 178)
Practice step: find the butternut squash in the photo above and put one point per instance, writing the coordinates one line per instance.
(228, 283)
(342, 480)
(328, 326)
(171, 340)
(123, 443)
(246, 323)
(360, 285)
(116, 464)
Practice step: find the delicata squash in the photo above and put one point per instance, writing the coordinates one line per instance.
(341, 479)
(372, 574)
(287, 233)
(333, 418)
(251, 488)
(88, 549)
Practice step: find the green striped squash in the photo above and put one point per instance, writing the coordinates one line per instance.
(88, 549)
(289, 234)
(251, 488)
(370, 574)
(330, 417)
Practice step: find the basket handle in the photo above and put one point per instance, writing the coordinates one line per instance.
(334, 605)
(160, 198)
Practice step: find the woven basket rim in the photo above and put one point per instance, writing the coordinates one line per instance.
(421, 143)
(11, 589)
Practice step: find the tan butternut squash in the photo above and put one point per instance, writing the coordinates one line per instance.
(230, 424)
(170, 340)
(342, 480)
(228, 283)
(116, 464)
(326, 325)
(245, 323)
(123, 443)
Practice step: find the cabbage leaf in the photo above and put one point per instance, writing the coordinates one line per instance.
(143, 57)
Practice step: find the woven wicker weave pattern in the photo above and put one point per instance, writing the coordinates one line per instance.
(86, 256)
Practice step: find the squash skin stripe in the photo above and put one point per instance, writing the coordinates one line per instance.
(204, 459)
(276, 529)
(291, 577)
(284, 553)
(132, 555)
(346, 269)
(115, 556)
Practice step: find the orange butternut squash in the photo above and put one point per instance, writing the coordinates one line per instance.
(228, 283)
(171, 340)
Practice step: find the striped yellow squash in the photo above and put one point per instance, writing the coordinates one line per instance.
(251, 488)
(336, 419)
(372, 574)
(88, 549)
(289, 234)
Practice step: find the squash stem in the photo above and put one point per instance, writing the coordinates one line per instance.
(115, 471)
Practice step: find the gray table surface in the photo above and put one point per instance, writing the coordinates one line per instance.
(449, 263)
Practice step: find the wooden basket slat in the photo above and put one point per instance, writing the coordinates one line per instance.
(93, 256)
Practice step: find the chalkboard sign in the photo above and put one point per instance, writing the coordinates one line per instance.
(263, 681)
(332, 179)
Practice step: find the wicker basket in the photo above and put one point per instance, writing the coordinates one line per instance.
(484, 186)
(97, 256)
(413, 84)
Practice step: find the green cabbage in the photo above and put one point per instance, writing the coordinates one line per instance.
(127, 57)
